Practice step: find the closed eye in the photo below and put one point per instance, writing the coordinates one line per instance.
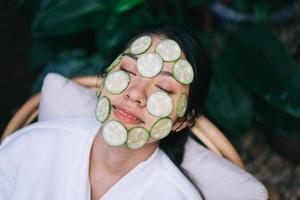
(167, 91)
(127, 71)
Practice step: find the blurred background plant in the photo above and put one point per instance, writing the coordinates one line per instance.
(255, 75)
(254, 50)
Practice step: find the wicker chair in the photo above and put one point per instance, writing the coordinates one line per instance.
(204, 129)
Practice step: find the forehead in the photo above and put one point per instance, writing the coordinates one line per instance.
(131, 59)
(167, 66)
(157, 39)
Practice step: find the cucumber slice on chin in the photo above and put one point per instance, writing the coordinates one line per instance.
(116, 82)
(114, 133)
(140, 45)
(149, 64)
(160, 104)
(183, 71)
(161, 128)
(103, 109)
(181, 105)
(114, 64)
(169, 50)
(137, 137)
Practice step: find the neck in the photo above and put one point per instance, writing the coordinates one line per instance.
(117, 160)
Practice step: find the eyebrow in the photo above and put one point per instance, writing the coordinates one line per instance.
(134, 57)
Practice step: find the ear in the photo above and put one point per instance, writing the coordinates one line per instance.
(183, 122)
(180, 124)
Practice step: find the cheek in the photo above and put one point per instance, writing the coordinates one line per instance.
(114, 98)
(150, 120)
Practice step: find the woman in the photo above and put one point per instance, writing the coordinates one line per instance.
(152, 92)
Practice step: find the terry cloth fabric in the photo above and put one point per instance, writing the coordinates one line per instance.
(50, 160)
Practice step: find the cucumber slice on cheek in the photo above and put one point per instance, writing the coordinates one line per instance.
(161, 128)
(160, 104)
(114, 133)
(137, 137)
(181, 105)
(140, 45)
(103, 109)
(116, 82)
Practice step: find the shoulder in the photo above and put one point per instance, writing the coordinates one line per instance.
(45, 133)
(179, 187)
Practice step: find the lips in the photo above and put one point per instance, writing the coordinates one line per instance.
(126, 116)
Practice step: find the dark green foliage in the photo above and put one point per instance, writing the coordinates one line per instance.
(250, 65)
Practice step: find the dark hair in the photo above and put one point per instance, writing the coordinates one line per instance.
(173, 144)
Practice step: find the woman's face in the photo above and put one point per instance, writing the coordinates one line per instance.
(129, 107)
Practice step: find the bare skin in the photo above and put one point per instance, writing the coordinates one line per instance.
(109, 164)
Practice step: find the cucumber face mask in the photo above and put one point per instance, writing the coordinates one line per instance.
(159, 104)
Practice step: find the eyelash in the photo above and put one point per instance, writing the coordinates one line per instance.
(167, 91)
(129, 72)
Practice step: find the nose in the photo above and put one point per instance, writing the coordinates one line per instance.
(137, 93)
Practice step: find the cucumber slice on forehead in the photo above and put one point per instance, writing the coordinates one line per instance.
(183, 72)
(140, 45)
(103, 109)
(169, 50)
(149, 64)
(137, 137)
(115, 63)
(114, 133)
(161, 128)
(116, 82)
(160, 104)
(181, 105)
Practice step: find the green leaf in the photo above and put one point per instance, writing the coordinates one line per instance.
(228, 104)
(116, 28)
(262, 11)
(276, 121)
(264, 66)
(242, 5)
(69, 16)
(74, 62)
(39, 55)
(43, 50)
(125, 5)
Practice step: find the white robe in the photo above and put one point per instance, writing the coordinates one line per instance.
(50, 160)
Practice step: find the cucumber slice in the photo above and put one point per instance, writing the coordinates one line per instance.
(115, 63)
(169, 50)
(183, 72)
(103, 109)
(149, 64)
(161, 128)
(140, 45)
(137, 137)
(114, 133)
(160, 104)
(181, 105)
(116, 82)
